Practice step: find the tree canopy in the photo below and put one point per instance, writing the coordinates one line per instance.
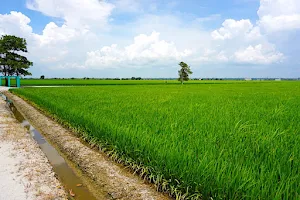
(11, 61)
(184, 72)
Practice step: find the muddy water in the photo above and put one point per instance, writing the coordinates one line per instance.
(65, 173)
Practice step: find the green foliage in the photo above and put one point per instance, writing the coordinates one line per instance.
(226, 141)
(11, 62)
(184, 72)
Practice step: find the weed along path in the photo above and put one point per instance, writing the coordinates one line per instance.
(25, 173)
(113, 180)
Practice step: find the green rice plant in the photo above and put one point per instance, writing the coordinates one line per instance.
(84, 82)
(219, 141)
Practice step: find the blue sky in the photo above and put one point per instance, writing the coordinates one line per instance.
(147, 38)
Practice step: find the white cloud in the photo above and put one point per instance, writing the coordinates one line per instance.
(58, 57)
(144, 50)
(15, 23)
(242, 42)
(279, 15)
(62, 46)
(232, 29)
(152, 47)
(84, 40)
(52, 46)
(68, 65)
(258, 54)
(53, 34)
(212, 56)
(76, 13)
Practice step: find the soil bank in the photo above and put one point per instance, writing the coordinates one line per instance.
(25, 172)
(114, 180)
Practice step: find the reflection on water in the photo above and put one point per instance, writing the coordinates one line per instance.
(65, 173)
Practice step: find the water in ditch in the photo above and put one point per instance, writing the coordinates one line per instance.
(66, 175)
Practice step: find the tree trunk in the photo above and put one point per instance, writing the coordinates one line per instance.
(182, 76)
(5, 74)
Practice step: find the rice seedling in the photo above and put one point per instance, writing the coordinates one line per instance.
(220, 141)
(78, 82)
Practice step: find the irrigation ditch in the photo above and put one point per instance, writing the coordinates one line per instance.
(86, 172)
(74, 183)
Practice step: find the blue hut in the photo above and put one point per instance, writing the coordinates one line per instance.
(18, 80)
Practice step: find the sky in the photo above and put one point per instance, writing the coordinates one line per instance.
(148, 38)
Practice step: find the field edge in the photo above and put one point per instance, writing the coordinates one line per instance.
(144, 172)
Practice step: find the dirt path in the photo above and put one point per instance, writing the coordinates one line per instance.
(2, 88)
(25, 173)
(114, 180)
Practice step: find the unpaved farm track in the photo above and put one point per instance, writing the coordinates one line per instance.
(25, 173)
(114, 180)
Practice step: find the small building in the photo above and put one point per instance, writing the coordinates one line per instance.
(18, 80)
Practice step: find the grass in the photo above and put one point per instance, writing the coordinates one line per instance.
(224, 141)
(30, 82)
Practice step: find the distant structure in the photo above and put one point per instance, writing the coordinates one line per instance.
(248, 79)
(278, 79)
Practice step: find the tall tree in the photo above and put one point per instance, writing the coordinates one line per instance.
(184, 72)
(11, 61)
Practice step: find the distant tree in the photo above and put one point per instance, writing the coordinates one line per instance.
(42, 77)
(11, 62)
(184, 72)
